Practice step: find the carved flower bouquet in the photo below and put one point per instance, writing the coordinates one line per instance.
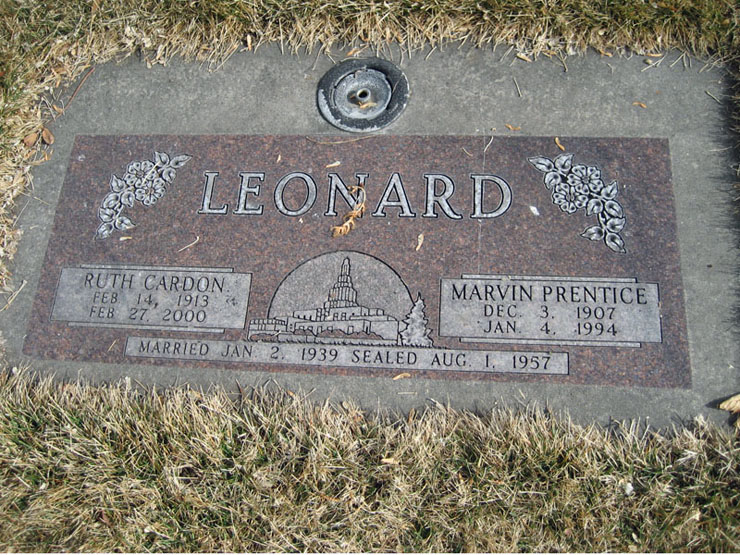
(576, 187)
(145, 181)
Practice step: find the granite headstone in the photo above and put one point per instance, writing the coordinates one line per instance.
(484, 258)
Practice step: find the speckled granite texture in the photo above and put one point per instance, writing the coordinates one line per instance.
(534, 237)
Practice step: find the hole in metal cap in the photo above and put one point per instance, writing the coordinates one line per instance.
(362, 95)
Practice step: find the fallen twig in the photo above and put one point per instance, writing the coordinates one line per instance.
(338, 142)
(518, 90)
(77, 88)
(713, 97)
(13, 296)
(197, 238)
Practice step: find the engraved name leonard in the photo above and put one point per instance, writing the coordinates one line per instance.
(572, 187)
(393, 196)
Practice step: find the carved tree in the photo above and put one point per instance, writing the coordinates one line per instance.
(416, 333)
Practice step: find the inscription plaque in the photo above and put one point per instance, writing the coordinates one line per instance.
(197, 299)
(476, 258)
(572, 311)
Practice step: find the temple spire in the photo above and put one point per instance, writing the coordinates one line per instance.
(342, 293)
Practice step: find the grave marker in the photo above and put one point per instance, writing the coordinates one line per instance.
(476, 258)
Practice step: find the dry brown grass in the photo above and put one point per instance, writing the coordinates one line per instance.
(85, 468)
(45, 44)
(108, 468)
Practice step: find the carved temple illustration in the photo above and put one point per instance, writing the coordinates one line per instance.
(341, 319)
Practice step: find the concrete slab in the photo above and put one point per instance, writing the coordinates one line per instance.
(453, 92)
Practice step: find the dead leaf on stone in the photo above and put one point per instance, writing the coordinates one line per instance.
(57, 109)
(352, 215)
(333, 164)
(401, 376)
(523, 57)
(411, 415)
(640, 104)
(47, 136)
(512, 127)
(557, 142)
(419, 241)
(732, 404)
(30, 139)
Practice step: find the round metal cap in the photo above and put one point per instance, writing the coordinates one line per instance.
(362, 95)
